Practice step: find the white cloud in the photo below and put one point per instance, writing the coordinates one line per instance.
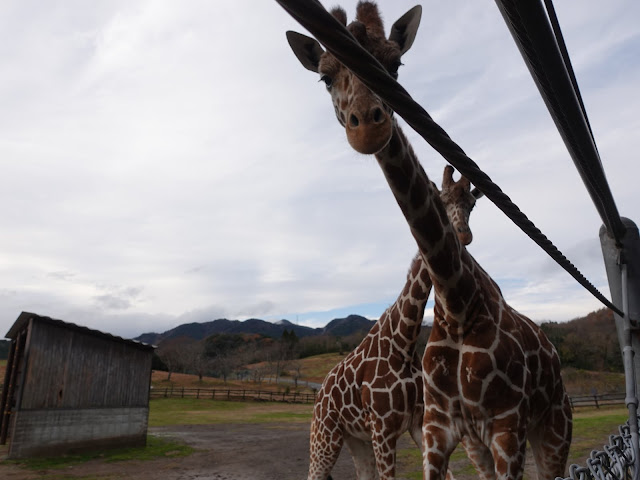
(168, 162)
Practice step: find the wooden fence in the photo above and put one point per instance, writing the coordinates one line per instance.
(232, 394)
(597, 401)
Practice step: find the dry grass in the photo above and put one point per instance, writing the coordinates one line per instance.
(189, 411)
(179, 380)
(583, 382)
(316, 368)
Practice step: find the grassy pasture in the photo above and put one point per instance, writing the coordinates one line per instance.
(190, 411)
(591, 430)
(591, 426)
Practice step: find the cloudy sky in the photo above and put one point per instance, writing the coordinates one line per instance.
(167, 162)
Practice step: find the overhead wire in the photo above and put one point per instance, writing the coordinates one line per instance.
(337, 39)
(537, 34)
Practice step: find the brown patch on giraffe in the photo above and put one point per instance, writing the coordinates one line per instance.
(398, 404)
(429, 225)
(418, 292)
(418, 197)
(442, 363)
(381, 403)
(396, 176)
(475, 368)
(516, 371)
(401, 342)
(395, 147)
(500, 396)
(466, 285)
(437, 334)
(501, 464)
(409, 310)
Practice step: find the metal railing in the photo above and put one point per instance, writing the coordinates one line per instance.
(614, 462)
(232, 394)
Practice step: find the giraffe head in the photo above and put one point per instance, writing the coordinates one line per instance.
(366, 119)
(459, 200)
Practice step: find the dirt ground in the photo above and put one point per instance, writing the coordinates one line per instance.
(224, 452)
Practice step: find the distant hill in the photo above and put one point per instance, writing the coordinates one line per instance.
(339, 327)
(343, 327)
(587, 343)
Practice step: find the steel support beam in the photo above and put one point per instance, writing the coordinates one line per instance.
(622, 264)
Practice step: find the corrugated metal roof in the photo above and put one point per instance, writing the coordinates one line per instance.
(24, 317)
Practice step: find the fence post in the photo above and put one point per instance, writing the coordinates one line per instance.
(182, 392)
(198, 393)
(228, 394)
(213, 394)
(622, 264)
(595, 399)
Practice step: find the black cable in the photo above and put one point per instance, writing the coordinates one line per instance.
(335, 37)
(551, 70)
(555, 25)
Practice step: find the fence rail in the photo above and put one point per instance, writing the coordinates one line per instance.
(604, 400)
(578, 401)
(232, 394)
(597, 401)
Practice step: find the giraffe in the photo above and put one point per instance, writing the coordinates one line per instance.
(491, 376)
(370, 398)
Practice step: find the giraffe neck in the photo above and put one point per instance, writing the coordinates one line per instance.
(401, 322)
(426, 215)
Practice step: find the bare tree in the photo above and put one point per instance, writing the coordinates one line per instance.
(170, 355)
(296, 368)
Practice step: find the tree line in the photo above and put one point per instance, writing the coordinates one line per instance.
(244, 356)
(587, 343)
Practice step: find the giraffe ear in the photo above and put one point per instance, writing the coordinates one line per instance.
(307, 49)
(447, 177)
(403, 32)
(477, 193)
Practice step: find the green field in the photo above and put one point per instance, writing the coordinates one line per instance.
(591, 430)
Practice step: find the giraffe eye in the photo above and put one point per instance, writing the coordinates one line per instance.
(393, 70)
(328, 81)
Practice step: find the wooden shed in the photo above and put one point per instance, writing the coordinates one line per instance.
(68, 388)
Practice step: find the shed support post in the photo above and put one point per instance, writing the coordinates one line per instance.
(622, 263)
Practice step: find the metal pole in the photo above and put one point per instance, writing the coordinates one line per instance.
(622, 264)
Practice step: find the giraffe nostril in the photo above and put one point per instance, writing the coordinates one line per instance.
(377, 115)
(353, 120)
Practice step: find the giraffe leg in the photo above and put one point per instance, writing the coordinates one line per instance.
(438, 443)
(363, 458)
(550, 442)
(415, 430)
(508, 450)
(416, 435)
(480, 456)
(384, 448)
(324, 449)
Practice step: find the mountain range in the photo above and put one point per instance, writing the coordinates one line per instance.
(338, 327)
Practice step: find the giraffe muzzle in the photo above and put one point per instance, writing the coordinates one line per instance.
(368, 131)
